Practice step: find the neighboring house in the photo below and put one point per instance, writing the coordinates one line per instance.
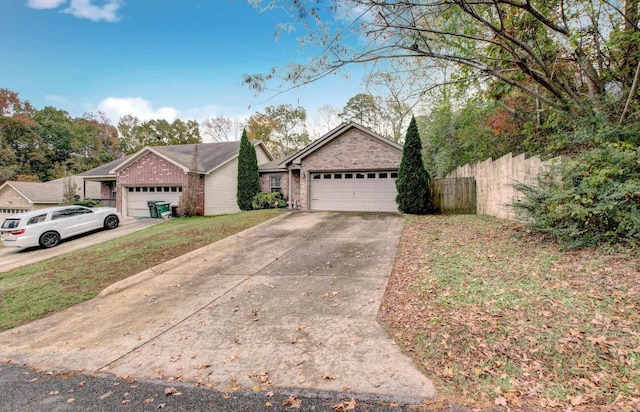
(351, 168)
(161, 173)
(17, 197)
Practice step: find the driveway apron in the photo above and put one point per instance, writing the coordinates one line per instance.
(291, 303)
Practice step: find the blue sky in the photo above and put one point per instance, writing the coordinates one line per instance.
(152, 58)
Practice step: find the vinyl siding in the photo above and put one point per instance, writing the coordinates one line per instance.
(261, 156)
(220, 190)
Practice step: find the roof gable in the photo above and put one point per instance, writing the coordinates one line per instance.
(178, 158)
(334, 134)
(37, 192)
(210, 156)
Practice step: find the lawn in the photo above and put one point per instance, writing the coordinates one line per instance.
(501, 318)
(33, 291)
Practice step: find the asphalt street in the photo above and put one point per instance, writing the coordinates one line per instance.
(27, 390)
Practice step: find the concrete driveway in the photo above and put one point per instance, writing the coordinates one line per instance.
(291, 303)
(13, 258)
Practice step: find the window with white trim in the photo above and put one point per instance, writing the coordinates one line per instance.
(276, 184)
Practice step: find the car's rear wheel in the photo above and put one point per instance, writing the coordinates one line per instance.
(49, 239)
(111, 222)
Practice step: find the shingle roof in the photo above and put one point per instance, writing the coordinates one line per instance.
(210, 156)
(105, 168)
(36, 192)
(274, 165)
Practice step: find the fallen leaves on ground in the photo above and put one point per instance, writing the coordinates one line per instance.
(293, 402)
(345, 406)
(172, 392)
(502, 318)
(262, 380)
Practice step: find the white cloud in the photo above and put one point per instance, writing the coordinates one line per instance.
(45, 4)
(85, 9)
(116, 107)
(200, 113)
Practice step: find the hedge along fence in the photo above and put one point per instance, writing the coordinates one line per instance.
(495, 180)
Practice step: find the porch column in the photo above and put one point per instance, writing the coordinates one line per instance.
(290, 199)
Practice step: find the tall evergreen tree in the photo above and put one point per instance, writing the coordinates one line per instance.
(248, 178)
(413, 180)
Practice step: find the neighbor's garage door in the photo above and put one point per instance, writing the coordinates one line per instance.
(137, 198)
(357, 191)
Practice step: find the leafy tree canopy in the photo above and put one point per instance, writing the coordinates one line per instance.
(136, 134)
(46, 144)
(577, 60)
(282, 128)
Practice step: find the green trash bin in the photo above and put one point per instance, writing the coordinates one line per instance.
(153, 211)
(163, 209)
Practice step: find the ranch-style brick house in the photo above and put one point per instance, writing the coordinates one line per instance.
(161, 173)
(350, 168)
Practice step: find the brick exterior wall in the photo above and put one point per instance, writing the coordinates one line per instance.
(354, 150)
(10, 199)
(11, 202)
(151, 170)
(105, 190)
(265, 184)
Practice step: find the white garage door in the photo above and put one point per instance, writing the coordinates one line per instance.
(357, 191)
(6, 212)
(137, 198)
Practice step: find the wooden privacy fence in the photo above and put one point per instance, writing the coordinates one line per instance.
(495, 179)
(454, 195)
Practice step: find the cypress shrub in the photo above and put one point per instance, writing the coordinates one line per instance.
(413, 196)
(248, 177)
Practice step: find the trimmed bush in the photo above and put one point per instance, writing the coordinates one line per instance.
(269, 201)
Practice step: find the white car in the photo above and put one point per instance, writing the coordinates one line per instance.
(46, 227)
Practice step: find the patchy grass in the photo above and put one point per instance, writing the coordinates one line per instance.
(500, 318)
(36, 290)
